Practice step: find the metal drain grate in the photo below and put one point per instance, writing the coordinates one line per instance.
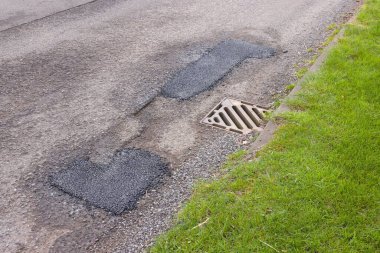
(236, 116)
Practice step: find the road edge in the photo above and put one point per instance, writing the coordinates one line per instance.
(269, 130)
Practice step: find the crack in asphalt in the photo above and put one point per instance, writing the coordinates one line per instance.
(50, 15)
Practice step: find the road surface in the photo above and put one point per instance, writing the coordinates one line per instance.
(17, 12)
(85, 81)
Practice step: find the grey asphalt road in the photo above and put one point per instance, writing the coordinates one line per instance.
(86, 82)
(17, 12)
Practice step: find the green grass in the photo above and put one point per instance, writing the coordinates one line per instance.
(290, 87)
(301, 72)
(315, 187)
(332, 27)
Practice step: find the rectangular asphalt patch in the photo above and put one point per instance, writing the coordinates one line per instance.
(202, 74)
(115, 187)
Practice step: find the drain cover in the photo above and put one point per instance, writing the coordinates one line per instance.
(236, 116)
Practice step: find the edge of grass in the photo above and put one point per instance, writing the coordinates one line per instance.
(315, 186)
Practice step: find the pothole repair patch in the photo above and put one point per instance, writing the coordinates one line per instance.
(236, 116)
(114, 187)
(202, 74)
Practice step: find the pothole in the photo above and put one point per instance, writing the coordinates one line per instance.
(236, 116)
(116, 186)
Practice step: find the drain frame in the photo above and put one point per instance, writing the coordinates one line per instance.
(236, 116)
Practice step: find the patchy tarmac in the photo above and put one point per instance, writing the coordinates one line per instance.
(202, 74)
(116, 186)
(86, 82)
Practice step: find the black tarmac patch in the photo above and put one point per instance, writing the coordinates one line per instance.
(114, 187)
(200, 75)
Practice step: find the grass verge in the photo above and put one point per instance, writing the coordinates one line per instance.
(315, 187)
